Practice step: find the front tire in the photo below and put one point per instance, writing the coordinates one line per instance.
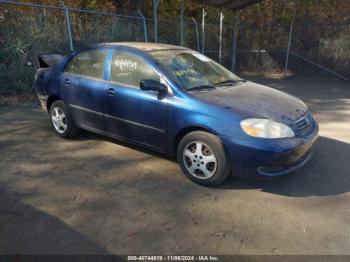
(62, 121)
(203, 159)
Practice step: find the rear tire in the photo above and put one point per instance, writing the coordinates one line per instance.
(62, 121)
(203, 158)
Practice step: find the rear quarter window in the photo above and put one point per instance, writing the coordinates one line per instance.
(88, 63)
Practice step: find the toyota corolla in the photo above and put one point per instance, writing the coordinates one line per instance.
(179, 102)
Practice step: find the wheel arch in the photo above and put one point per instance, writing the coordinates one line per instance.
(50, 100)
(186, 130)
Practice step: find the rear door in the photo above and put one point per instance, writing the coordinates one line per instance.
(130, 112)
(84, 82)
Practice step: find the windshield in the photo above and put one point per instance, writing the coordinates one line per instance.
(193, 70)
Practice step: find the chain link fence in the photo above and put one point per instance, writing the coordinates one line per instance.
(92, 28)
(315, 49)
(262, 48)
(29, 30)
(327, 45)
(26, 33)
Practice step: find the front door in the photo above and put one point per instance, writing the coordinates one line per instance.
(130, 112)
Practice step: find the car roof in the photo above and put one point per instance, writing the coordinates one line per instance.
(146, 47)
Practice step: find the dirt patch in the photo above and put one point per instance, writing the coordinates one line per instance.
(17, 99)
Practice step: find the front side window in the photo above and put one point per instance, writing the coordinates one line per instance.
(88, 63)
(193, 69)
(129, 69)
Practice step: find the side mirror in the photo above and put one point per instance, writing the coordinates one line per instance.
(152, 85)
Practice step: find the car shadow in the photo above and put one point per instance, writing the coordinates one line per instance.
(27, 230)
(326, 174)
(87, 135)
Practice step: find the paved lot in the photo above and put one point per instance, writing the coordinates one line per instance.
(94, 195)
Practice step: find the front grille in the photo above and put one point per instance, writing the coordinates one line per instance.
(304, 124)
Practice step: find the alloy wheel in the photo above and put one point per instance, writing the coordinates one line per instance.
(59, 120)
(199, 160)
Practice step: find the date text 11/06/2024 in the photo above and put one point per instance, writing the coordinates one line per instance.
(173, 258)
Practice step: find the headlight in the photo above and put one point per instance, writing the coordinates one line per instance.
(266, 128)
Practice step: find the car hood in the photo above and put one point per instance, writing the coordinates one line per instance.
(257, 101)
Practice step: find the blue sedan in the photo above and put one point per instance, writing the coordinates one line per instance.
(179, 102)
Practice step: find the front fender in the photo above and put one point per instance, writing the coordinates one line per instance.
(185, 115)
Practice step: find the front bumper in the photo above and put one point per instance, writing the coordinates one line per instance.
(268, 158)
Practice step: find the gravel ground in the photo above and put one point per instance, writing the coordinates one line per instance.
(94, 195)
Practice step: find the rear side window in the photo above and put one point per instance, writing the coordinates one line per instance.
(130, 69)
(89, 63)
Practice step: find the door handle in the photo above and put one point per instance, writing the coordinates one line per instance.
(66, 82)
(110, 91)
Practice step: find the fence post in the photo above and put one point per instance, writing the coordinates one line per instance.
(113, 26)
(220, 37)
(234, 43)
(155, 20)
(288, 47)
(204, 13)
(70, 41)
(182, 10)
(144, 26)
(197, 35)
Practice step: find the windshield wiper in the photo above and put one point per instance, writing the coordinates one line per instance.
(229, 81)
(201, 87)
